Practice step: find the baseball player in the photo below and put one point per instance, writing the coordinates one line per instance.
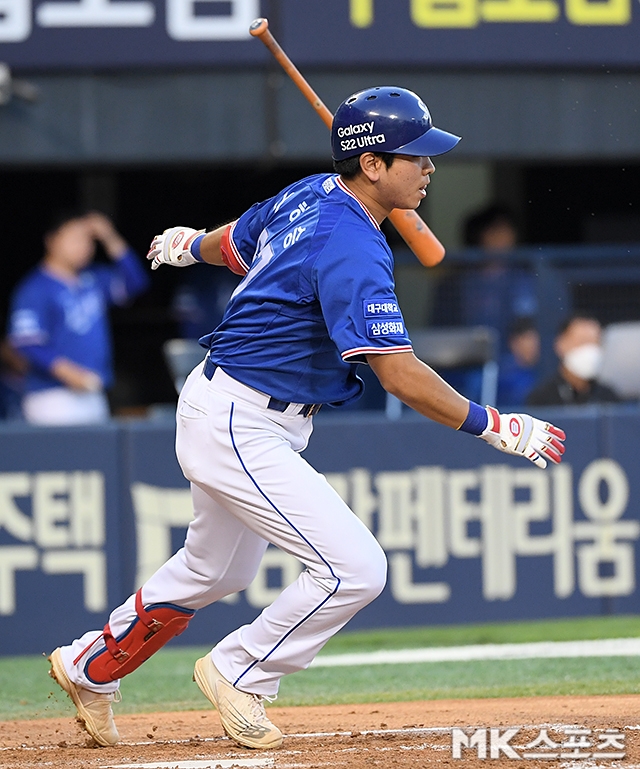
(59, 319)
(317, 299)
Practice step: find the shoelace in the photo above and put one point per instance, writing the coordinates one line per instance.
(112, 696)
(100, 698)
(257, 707)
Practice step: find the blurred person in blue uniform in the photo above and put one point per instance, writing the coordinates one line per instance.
(13, 370)
(497, 293)
(492, 228)
(578, 347)
(491, 293)
(518, 371)
(59, 319)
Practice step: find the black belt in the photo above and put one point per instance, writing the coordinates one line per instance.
(275, 404)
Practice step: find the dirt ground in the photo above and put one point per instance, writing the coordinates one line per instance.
(414, 735)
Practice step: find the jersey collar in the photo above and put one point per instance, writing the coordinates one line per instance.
(344, 188)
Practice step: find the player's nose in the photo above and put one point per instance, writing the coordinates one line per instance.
(427, 166)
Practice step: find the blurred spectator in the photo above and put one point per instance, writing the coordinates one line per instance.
(497, 293)
(13, 370)
(578, 346)
(518, 370)
(492, 229)
(59, 320)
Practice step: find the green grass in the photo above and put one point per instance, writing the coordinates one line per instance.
(164, 682)
(580, 628)
(461, 680)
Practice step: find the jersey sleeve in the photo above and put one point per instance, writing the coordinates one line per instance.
(29, 325)
(354, 283)
(242, 236)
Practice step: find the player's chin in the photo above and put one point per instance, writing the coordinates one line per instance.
(410, 202)
(418, 198)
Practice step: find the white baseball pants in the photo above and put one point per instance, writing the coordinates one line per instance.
(63, 406)
(250, 487)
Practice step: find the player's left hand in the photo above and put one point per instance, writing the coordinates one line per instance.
(172, 247)
(525, 435)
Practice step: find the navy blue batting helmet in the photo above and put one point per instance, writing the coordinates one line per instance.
(387, 119)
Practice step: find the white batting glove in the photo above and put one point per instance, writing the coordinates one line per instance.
(172, 247)
(524, 435)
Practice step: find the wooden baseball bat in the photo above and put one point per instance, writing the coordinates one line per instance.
(424, 244)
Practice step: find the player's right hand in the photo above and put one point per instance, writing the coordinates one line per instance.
(75, 376)
(172, 247)
(524, 435)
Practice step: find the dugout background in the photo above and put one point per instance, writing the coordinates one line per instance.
(548, 115)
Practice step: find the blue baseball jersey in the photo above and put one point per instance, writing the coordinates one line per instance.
(51, 318)
(318, 295)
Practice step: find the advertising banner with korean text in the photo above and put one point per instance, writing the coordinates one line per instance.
(475, 536)
(60, 538)
(46, 34)
(471, 535)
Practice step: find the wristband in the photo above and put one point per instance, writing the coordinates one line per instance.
(194, 247)
(476, 421)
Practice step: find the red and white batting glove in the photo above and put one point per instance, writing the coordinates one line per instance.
(524, 435)
(172, 247)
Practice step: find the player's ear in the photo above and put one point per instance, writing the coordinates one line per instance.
(370, 165)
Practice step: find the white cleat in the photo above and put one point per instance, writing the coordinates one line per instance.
(242, 715)
(94, 709)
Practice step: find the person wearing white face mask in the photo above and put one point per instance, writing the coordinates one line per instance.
(578, 346)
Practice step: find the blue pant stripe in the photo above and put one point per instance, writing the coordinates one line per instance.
(299, 533)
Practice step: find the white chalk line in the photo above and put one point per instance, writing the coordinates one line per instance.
(586, 763)
(211, 763)
(266, 762)
(316, 735)
(300, 735)
(610, 647)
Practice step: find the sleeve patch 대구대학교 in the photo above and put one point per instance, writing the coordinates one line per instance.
(381, 307)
